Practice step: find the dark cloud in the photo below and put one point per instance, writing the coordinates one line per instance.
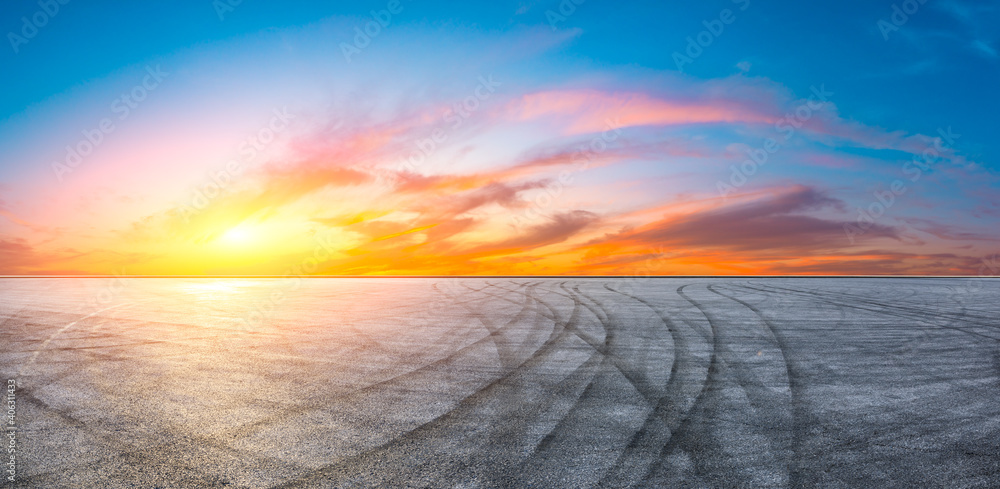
(778, 222)
(559, 228)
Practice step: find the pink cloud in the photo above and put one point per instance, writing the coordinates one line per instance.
(591, 111)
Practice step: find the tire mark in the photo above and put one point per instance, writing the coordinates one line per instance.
(795, 388)
(904, 315)
(917, 311)
(617, 361)
(247, 429)
(45, 343)
(442, 422)
(704, 434)
(504, 350)
(683, 435)
(659, 426)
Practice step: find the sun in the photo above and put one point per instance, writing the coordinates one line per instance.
(238, 235)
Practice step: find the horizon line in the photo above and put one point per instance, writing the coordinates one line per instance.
(506, 276)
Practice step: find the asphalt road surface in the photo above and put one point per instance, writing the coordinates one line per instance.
(503, 382)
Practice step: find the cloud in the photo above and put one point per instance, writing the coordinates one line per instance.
(949, 232)
(18, 257)
(503, 194)
(351, 171)
(777, 223)
(590, 111)
(558, 229)
(879, 262)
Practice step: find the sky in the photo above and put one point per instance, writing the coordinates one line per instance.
(577, 137)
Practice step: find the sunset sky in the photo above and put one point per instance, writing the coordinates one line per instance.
(526, 137)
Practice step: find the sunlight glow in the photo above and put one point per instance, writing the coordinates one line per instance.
(238, 235)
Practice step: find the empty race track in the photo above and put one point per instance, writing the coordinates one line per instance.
(503, 382)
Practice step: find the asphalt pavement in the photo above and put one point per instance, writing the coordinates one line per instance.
(501, 382)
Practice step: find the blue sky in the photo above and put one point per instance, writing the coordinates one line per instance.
(931, 72)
